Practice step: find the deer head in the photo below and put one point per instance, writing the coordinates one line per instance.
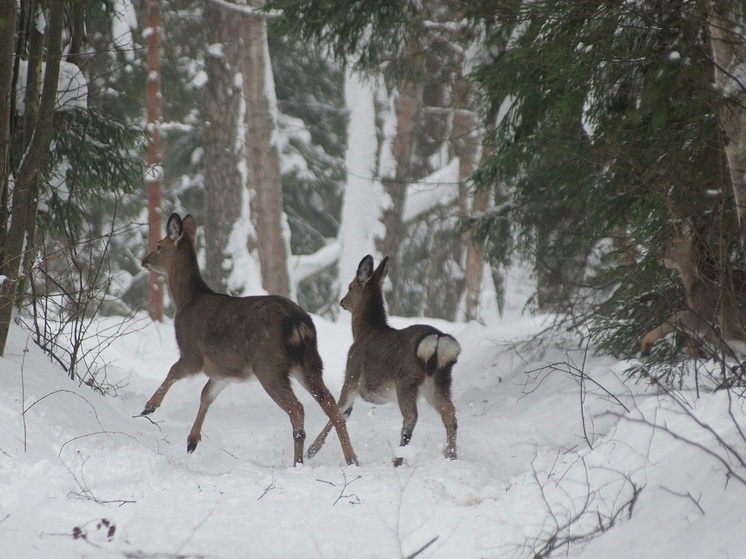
(179, 232)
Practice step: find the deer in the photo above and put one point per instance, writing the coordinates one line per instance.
(385, 364)
(232, 339)
(715, 313)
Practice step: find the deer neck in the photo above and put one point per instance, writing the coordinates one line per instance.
(185, 280)
(369, 317)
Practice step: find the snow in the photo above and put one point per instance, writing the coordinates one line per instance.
(124, 20)
(361, 208)
(72, 87)
(439, 189)
(82, 476)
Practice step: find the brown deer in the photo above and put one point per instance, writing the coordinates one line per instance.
(715, 313)
(233, 338)
(386, 364)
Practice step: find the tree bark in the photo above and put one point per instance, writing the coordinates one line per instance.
(729, 60)
(35, 55)
(153, 178)
(7, 41)
(29, 167)
(407, 111)
(262, 155)
(221, 109)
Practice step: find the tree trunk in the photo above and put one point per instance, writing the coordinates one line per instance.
(30, 117)
(221, 111)
(262, 156)
(729, 59)
(474, 266)
(153, 178)
(7, 42)
(29, 167)
(465, 144)
(361, 213)
(407, 110)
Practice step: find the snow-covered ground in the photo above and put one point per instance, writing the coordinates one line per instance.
(81, 476)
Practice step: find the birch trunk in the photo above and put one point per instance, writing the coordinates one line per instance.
(153, 179)
(361, 214)
(729, 59)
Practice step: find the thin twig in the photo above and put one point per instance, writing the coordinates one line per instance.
(422, 549)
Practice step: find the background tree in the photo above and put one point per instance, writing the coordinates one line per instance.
(421, 51)
(153, 179)
(606, 134)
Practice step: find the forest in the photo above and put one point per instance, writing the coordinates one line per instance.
(461, 139)
(573, 139)
(559, 187)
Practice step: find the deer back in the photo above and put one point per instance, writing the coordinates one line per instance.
(228, 336)
(382, 352)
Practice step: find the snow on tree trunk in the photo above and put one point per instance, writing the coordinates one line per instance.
(223, 184)
(363, 195)
(262, 155)
(729, 57)
(154, 178)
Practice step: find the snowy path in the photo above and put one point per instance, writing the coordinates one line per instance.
(130, 489)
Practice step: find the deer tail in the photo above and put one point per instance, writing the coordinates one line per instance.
(300, 336)
(438, 351)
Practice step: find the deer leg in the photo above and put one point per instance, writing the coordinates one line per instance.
(182, 368)
(320, 392)
(346, 399)
(685, 320)
(281, 392)
(440, 400)
(209, 393)
(407, 397)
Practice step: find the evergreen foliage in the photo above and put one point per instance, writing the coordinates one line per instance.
(605, 136)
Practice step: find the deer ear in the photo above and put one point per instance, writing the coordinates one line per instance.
(383, 269)
(175, 227)
(365, 269)
(190, 227)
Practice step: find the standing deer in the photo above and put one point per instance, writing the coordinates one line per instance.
(386, 364)
(233, 338)
(715, 313)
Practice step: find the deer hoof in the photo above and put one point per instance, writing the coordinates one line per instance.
(148, 411)
(398, 462)
(191, 446)
(313, 450)
(353, 461)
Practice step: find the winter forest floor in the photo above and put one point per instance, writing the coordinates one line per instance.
(560, 454)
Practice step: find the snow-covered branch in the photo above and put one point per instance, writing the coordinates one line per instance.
(437, 190)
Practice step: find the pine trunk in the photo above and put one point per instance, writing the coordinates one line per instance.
(407, 110)
(7, 42)
(221, 110)
(262, 156)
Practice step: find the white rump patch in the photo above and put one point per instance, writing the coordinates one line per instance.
(446, 347)
(448, 351)
(427, 347)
